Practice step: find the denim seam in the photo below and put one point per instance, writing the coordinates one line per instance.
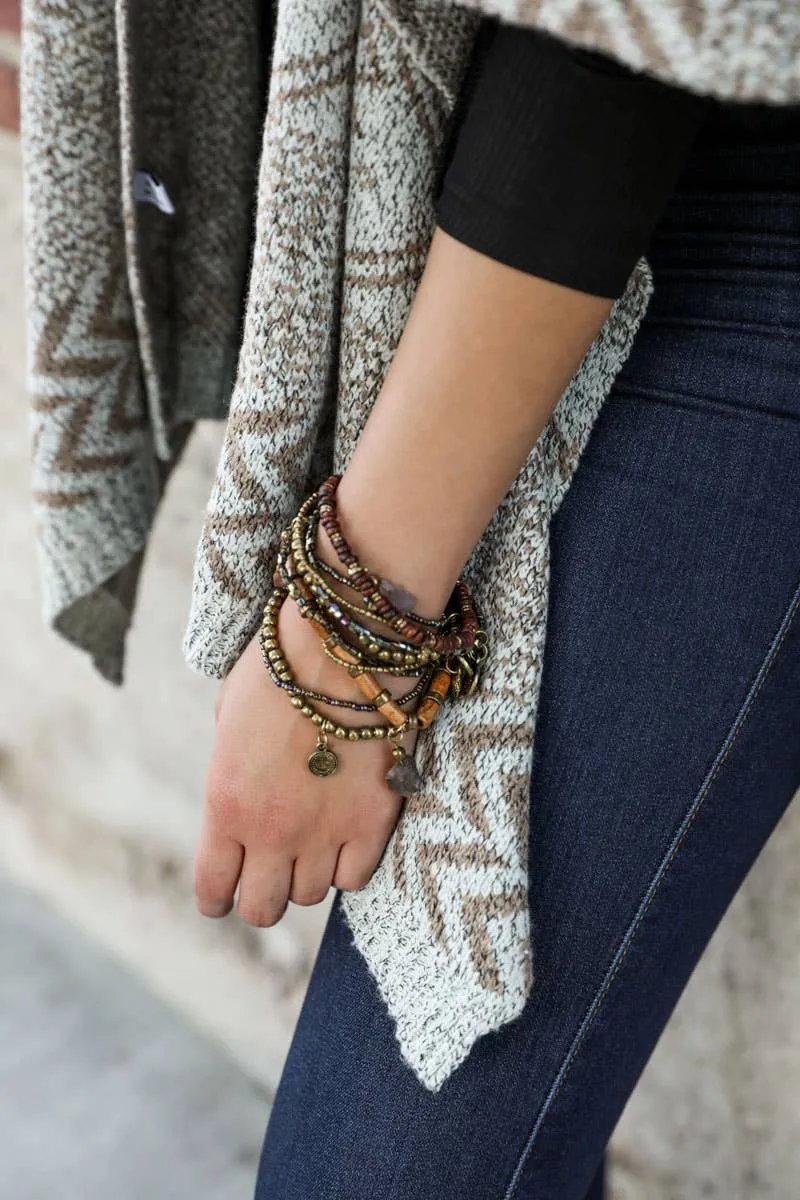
(655, 883)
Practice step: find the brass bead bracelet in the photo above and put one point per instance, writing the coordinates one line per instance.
(338, 607)
(321, 568)
(335, 603)
(350, 658)
(275, 662)
(393, 604)
(402, 775)
(396, 657)
(445, 652)
(383, 651)
(368, 649)
(462, 669)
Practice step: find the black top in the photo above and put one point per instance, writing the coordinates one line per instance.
(560, 161)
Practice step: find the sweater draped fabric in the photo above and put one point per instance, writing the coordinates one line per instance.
(187, 258)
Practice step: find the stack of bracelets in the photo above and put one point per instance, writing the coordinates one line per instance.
(443, 653)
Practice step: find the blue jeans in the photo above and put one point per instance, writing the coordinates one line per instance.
(666, 744)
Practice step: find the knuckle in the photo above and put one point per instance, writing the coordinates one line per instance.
(276, 826)
(206, 886)
(262, 916)
(352, 879)
(235, 806)
(309, 896)
(210, 890)
(209, 907)
(224, 800)
(213, 886)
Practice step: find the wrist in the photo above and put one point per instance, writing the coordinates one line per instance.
(425, 607)
(390, 549)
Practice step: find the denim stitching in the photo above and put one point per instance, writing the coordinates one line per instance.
(627, 941)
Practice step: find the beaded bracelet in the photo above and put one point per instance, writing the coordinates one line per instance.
(279, 669)
(321, 568)
(391, 655)
(381, 592)
(402, 776)
(357, 668)
(445, 652)
(335, 603)
(428, 645)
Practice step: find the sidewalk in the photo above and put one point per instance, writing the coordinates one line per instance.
(105, 1093)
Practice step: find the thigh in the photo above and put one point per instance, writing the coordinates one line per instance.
(666, 750)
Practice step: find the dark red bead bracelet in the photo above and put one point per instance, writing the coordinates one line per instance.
(379, 592)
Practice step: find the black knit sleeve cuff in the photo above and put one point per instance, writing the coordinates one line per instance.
(560, 161)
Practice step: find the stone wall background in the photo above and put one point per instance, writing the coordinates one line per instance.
(100, 788)
(99, 797)
(9, 64)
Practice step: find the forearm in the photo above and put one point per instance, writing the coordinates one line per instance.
(485, 355)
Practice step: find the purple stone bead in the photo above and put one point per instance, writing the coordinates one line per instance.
(404, 777)
(397, 596)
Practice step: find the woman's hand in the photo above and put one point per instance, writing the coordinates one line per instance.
(485, 354)
(268, 824)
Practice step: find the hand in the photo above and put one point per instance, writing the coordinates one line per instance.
(268, 824)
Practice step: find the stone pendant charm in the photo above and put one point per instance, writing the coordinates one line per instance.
(398, 597)
(403, 777)
(322, 762)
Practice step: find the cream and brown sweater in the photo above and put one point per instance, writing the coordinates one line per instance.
(145, 160)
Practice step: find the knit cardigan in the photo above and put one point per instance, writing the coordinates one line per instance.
(145, 154)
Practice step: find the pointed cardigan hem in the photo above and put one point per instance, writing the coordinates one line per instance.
(438, 1006)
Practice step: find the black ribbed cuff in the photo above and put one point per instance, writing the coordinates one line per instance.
(563, 161)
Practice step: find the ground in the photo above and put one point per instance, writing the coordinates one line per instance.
(108, 1092)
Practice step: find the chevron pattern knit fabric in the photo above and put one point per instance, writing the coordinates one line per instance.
(134, 320)
(443, 924)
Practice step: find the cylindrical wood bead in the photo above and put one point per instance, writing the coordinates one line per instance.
(393, 713)
(368, 685)
(342, 653)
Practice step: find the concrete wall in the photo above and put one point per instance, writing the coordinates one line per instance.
(100, 788)
(99, 799)
(9, 63)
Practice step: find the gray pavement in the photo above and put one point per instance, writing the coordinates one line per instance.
(106, 1094)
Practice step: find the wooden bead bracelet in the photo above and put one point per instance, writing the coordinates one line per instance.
(445, 652)
(281, 674)
(322, 568)
(334, 603)
(402, 775)
(389, 656)
(381, 592)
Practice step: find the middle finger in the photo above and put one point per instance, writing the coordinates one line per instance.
(264, 888)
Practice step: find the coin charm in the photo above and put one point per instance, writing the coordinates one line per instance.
(322, 762)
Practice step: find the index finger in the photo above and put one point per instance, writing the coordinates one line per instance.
(217, 867)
